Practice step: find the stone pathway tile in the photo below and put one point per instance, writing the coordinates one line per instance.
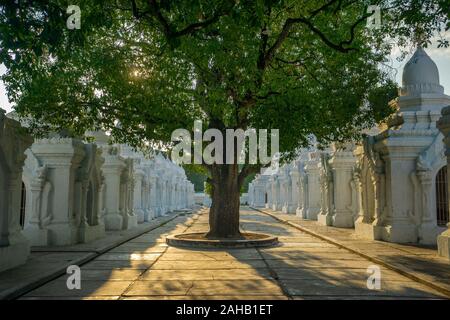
(357, 288)
(128, 257)
(332, 274)
(197, 297)
(139, 248)
(112, 275)
(112, 265)
(169, 275)
(361, 297)
(419, 261)
(300, 267)
(200, 265)
(58, 288)
(72, 298)
(301, 255)
(317, 263)
(159, 288)
(252, 287)
(211, 256)
(46, 263)
(204, 288)
(283, 248)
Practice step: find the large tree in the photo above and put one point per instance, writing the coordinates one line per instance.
(307, 68)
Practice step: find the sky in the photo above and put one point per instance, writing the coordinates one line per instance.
(441, 57)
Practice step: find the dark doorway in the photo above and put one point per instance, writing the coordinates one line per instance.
(23, 203)
(90, 205)
(442, 198)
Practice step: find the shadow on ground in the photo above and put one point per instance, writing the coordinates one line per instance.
(301, 267)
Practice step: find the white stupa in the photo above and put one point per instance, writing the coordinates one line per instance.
(421, 89)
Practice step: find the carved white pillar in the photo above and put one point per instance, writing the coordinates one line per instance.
(130, 218)
(342, 164)
(277, 205)
(173, 199)
(428, 230)
(112, 170)
(36, 186)
(101, 201)
(269, 191)
(137, 196)
(313, 190)
(295, 181)
(282, 193)
(301, 204)
(145, 194)
(178, 192)
(357, 189)
(325, 216)
(286, 203)
(160, 195)
(63, 158)
(14, 247)
(153, 196)
(35, 228)
(164, 193)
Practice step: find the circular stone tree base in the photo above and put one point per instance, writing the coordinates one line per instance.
(199, 240)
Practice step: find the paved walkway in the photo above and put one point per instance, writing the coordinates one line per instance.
(302, 267)
(417, 261)
(46, 263)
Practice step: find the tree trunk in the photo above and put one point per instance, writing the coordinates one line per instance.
(224, 212)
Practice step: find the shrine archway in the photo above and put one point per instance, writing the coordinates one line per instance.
(23, 205)
(442, 210)
(90, 205)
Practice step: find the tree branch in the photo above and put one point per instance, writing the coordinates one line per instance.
(196, 26)
(170, 32)
(156, 12)
(342, 46)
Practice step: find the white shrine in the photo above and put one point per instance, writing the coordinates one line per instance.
(63, 185)
(390, 187)
(14, 246)
(72, 191)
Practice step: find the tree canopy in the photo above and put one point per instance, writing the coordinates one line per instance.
(141, 69)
